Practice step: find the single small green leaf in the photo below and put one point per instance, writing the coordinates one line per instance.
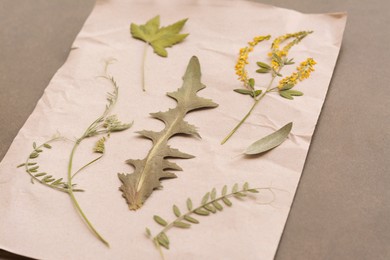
(270, 141)
(202, 212)
(213, 194)
(160, 220)
(57, 182)
(285, 95)
(210, 208)
(180, 224)
(191, 219)
(48, 146)
(205, 198)
(262, 70)
(163, 241)
(34, 155)
(40, 174)
(38, 150)
(148, 233)
(244, 91)
(31, 163)
(253, 190)
(277, 58)
(48, 180)
(34, 145)
(217, 205)
(263, 65)
(235, 188)
(33, 169)
(20, 165)
(224, 190)
(176, 211)
(189, 204)
(239, 194)
(159, 38)
(251, 82)
(287, 86)
(245, 186)
(226, 201)
(294, 92)
(258, 92)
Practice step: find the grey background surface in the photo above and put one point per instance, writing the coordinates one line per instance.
(342, 206)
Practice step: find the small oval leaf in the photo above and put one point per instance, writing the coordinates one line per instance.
(160, 220)
(224, 190)
(227, 201)
(243, 91)
(176, 211)
(189, 204)
(180, 224)
(191, 219)
(213, 194)
(205, 198)
(270, 141)
(202, 212)
(263, 65)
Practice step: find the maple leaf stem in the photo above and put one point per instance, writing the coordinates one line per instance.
(143, 66)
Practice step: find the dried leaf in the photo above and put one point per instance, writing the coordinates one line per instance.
(270, 141)
(176, 211)
(202, 212)
(139, 185)
(189, 204)
(205, 198)
(159, 38)
(160, 220)
(191, 219)
(224, 190)
(213, 194)
(181, 224)
(227, 201)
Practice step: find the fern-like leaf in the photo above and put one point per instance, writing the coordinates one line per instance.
(148, 172)
(209, 203)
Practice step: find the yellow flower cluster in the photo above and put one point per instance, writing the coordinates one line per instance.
(303, 72)
(243, 58)
(284, 52)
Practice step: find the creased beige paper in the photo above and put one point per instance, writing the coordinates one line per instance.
(39, 222)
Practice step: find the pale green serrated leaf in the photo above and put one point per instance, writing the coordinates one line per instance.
(159, 38)
(148, 172)
(270, 141)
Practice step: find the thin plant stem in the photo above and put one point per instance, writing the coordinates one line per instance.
(143, 66)
(73, 198)
(85, 166)
(256, 101)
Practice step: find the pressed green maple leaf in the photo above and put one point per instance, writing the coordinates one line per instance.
(158, 37)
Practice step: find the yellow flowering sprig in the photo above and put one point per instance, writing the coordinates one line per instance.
(278, 59)
(303, 72)
(242, 61)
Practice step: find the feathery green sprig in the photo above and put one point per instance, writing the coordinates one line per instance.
(210, 203)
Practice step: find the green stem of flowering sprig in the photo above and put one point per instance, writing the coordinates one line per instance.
(256, 101)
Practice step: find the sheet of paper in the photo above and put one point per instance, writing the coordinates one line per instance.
(39, 222)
